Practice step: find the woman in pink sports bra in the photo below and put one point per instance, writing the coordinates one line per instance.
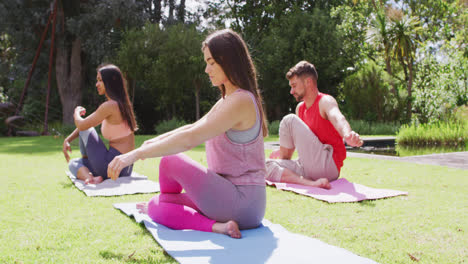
(117, 125)
(229, 195)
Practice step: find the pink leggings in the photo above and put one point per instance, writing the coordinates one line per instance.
(208, 197)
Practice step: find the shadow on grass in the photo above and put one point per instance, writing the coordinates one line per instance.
(134, 257)
(368, 203)
(67, 185)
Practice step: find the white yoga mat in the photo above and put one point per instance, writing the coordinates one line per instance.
(269, 243)
(135, 183)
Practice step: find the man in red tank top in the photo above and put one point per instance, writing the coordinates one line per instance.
(316, 130)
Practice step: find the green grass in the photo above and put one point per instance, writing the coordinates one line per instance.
(44, 219)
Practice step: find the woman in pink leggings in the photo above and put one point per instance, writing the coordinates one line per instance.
(229, 195)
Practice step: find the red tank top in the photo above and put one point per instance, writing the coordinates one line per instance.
(323, 129)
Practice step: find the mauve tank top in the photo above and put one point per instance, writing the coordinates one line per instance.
(240, 163)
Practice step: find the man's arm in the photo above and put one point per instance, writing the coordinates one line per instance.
(330, 110)
(297, 108)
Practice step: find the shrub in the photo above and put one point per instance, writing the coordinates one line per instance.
(55, 128)
(368, 95)
(168, 125)
(363, 127)
(273, 127)
(454, 133)
(439, 87)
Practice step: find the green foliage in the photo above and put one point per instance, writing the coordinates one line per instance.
(363, 127)
(439, 133)
(440, 87)
(296, 36)
(167, 69)
(55, 128)
(439, 17)
(168, 125)
(273, 127)
(3, 96)
(352, 27)
(367, 95)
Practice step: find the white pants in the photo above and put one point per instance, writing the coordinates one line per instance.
(315, 159)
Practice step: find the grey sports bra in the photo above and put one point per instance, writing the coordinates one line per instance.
(245, 136)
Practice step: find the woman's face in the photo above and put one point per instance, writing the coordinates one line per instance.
(213, 69)
(101, 89)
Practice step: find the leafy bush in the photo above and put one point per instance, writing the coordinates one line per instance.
(453, 133)
(273, 127)
(363, 127)
(55, 128)
(168, 125)
(439, 88)
(368, 97)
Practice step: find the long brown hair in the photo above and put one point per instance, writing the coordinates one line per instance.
(230, 52)
(116, 89)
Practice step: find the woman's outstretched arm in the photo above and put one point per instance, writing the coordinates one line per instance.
(235, 109)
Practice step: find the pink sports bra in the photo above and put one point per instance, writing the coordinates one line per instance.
(113, 132)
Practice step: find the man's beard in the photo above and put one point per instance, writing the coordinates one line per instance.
(299, 97)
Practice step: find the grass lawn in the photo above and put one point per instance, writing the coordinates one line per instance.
(45, 219)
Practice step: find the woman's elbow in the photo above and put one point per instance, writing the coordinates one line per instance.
(189, 141)
(80, 126)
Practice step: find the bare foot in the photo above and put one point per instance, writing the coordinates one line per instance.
(321, 183)
(275, 154)
(229, 228)
(93, 180)
(142, 208)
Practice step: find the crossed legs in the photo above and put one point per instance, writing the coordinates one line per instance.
(207, 197)
(314, 167)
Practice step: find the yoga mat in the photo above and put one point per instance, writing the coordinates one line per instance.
(342, 191)
(270, 243)
(135, 183)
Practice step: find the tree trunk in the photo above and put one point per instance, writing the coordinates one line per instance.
(197, 99)
(409, 89)
(181, 11)
(389, 71)
(171, 11)
(69, 77)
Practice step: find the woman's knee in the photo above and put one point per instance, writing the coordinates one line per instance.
(74, 165)
(172, 162)
(169, 161)
(84, 135)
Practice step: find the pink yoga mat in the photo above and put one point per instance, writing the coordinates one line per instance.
(342, 191)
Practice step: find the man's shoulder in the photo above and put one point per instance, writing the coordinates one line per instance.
(327, 99)
(299, 106)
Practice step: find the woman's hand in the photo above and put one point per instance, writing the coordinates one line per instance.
(66, 149)
(119, 163)
(80, 111)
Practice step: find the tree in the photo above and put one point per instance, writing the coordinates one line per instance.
(379, 34)
(297, 36)
(168, 68)
(153, 8)
(367, 94)
(404, 36)
(87, 32)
